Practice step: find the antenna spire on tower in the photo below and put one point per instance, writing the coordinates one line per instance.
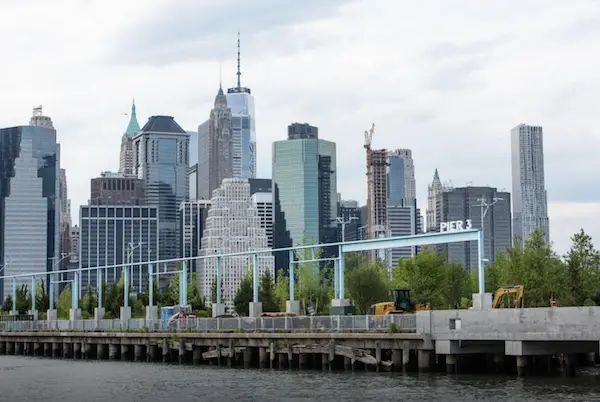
(239, 72)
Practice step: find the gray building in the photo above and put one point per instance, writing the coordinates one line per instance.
(161, 152)
(109, 233)
(404, 219)
(220, 143)
(193, 164)
(117, 189)
(202, 172)
(192, 223)
(351, 213)
(460, 204)
(530, 201)
(304, 171)
(29, 201)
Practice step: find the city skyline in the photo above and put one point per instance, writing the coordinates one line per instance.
(438, 79)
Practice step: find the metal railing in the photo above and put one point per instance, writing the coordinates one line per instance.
(365, 323)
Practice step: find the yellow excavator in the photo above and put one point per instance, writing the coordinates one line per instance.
(401, 304)
(500, 296)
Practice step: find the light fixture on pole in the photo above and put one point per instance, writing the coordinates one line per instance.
(342, 221)
(51, 290)
(131, 248)
(485, 206)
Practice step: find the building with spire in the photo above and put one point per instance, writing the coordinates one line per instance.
(241, 103)
(126, 155)
(434, 199)
(220, 143)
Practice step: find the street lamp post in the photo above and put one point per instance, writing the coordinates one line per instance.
(51, 282)
(485, 206)
(131, 249)
(342, 221)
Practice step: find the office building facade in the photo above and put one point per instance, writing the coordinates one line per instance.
(351, 213)
(304, 171)
(530, 200)
(117, 189)
(193, 222)
(461, 204)
(202, 170)
(220, 143)
(233, 225)
(118, 234)
(29, 200)
(404, 219)
(161, 152)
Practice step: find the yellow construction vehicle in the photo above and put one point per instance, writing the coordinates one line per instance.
(401, 304)
(518, 292)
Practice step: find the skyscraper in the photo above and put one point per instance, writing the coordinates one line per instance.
(304, 173)
(434, 202)
(29, 199)
(462, 203)
(193, 221)
(193, 172)
(126, 155)
(401, 175)
(530, 202)
(232, 226)
(117, 189)
(161, 152)
(220, 145)
(241, 102)
(202, 170)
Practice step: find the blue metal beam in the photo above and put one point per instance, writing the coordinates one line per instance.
(409, 241)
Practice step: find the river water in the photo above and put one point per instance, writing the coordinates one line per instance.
(37, 379)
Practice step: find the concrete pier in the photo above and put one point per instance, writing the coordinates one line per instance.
(197, 355)
(67, 350)
(451, 364)
(124, 352)
(424, 359)
(247, 358)
(138, 353)
(77, 350)
(56, 352)
(522, 364)
(18, 348)
(47, 349)
(263, 358)
(101, 351)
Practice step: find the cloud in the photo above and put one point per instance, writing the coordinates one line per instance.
(446, 79)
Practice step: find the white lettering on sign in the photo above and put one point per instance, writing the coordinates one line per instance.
(454, 226)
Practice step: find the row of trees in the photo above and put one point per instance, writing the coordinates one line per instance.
(573, 280)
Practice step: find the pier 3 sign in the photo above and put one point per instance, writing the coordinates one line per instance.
(454, 226)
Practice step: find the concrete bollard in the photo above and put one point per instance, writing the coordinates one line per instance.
(138, 352)
(77, 350)
(247, 357)
(197, 355)
(262, 358)
(113, 351)
(56, 352)
(124, 352)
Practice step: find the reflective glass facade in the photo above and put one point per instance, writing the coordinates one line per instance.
(395, 180)
(29, 201)
(161, 159)
(296, 175)
(105, 235)
(244, 133)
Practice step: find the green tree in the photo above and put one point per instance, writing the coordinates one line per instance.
(89, 301)
(367, 284)
(266, 293)
(42, 300)
(23, 299)
(313, 283)
(213, 291)
(195, 299)
(243, 296)
(64, 302)
(582, 275)
(424, 275)
(457, 284)
(282, 289)
(8, 304)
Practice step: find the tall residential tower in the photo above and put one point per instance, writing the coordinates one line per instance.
(530, 202)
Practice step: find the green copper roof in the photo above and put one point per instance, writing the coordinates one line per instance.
(133, 126)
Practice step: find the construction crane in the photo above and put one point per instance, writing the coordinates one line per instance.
(370, 202)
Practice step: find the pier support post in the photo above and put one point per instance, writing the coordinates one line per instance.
(138, 353)
(67, 350)
(55, 349)
(100, 351)
(282, 359)
(113, 351)
(18, 348)
(569, 366)
(377, 355)
(36, 348)
(262, 357)
(10, 348)
(151, 352)
(302, 361)
(247, 357)
(405, 358)
(76, 350)
(325, 361)
(498, 362)
(522, 363)
(165, 350)
(451, 364)
(47, 349)
(347, 363)
(181, 350)
(197, 355)
(397, 359)
(2, 348)
(590, 358)
(231, 353)
(424, 359)
(124, 351)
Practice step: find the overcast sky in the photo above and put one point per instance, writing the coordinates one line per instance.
(447, 79)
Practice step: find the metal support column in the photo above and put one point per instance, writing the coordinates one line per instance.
(33, 293)
(51, 291)
(150, 284)
(126, 287)
(99, 287)
(255, 278)
(74, 294)
(341, 272)
(336, 279)
(481, 263)
(183, 287)
(14, 296)
(218, 280)
(291, 274)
